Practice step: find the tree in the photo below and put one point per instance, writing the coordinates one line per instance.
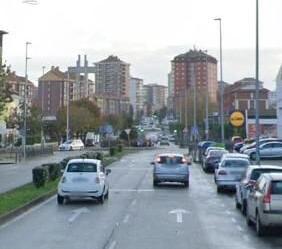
(5, 91)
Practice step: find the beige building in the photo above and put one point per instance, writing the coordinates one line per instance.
(155, 96)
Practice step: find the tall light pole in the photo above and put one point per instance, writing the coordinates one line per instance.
(2, 32)
(42, 109)
(221, 82)
(257, 84)
(25, 98)
(68, 106)
(207, 97)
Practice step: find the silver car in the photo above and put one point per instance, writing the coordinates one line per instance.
(249, 180)
(264, 203)
(266, 150)
(230, 172)
(171, 167)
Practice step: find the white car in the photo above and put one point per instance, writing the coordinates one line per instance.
(84, 178)
(75, 144)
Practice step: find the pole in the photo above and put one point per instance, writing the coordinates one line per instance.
(25, 98)
(194, 101)
(186, 114)
(207, 98)
(1, 45)
(68, 106)
(257, 84)
(42, 110)
(221, 82)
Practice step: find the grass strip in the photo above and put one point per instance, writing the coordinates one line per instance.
(23, 195)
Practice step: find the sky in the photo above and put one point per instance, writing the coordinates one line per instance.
(147, 34)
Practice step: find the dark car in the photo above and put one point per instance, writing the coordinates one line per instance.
(212, 160)
(238, 146)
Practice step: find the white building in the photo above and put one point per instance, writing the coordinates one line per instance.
(136, 95)
(279, 102)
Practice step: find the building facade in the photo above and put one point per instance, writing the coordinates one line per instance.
(279, 102)
(241, 96)
(136, 95)
(155, 97)
(193, 69)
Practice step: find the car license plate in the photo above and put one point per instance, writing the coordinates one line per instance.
(79, 179)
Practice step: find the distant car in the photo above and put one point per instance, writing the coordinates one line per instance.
(164, 141)
(230, 172)
(264, 203)
(234, 155)
(204, 155)
(261, 142)
(238, 146)
(170, 167)
(83, 178)
(75, 144)
(266, 150)
(212, 159)
(253, 172)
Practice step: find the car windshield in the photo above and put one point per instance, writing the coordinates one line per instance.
(68, 142)
(82, 167)
(170, 160)
(276, 188)
(257, 172)
(236, 163)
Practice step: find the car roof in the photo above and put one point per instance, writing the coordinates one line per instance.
(236, 155)
(235, 158)
(273, 176)
(215, 148)
(170, 154)
(84, 160)
(265, 167)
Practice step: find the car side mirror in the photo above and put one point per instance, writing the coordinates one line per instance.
(108, 171)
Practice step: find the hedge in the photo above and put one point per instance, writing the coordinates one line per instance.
(40, 176)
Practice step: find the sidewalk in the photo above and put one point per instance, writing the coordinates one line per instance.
(15, 175)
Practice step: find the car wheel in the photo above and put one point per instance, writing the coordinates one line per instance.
(219, 189)
(186, 184)
(102, 199)
(60, 199)
(107, 195)
(260, 229)
(71, 148)
(237, 204)
(248, 219)
(155, 183)
(243, 207)
(253, 156)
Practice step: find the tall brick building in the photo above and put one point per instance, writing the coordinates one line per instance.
(194, 67)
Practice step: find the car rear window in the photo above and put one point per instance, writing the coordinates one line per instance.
(276, 187)
(82, 167)
(217, 153)
(170, 160)
(257, 172)
(236, 163)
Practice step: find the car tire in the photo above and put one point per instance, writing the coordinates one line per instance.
(101, 199)
(155, 183)
(260, 229)
(107, 195)
(237, 204)
(219, 189)
(71, 148)
(253, 156)
(60, 199)
(186, 184)
(244, 207)
(248, 219)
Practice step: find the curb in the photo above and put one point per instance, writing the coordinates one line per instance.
(18, 211)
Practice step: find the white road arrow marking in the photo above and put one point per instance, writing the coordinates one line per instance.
(179, 214)
(76, 213)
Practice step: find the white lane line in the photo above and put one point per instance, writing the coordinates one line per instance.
(27, 213)
(222, 204)
(234, 220)
(228, 212)
(126, 218)
(113, 245)
(240, 229)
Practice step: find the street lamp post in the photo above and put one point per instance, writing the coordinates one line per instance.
(257, 84)
(25, 98)
(42, 109)
(2, 32)
(68, 106)
(221, 83)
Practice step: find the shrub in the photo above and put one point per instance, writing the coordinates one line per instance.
(65, 161)
(83, 156)
(99, 156)
(53, 170)
(39, 176)
(112, 151)
(120, 148)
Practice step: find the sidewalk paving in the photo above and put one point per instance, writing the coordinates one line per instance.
(15, 175)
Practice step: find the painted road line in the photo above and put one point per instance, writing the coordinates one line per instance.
(126, 218)
(133, 203)
(239, 228)
(113, 245)
(179, 214)
(234, 220)
(76, 213)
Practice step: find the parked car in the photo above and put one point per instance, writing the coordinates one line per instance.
(75, 144)
(238, 146)
(212, 159)
(164, 141)
(234, 155)
(266, 150)
(249, 179)
(204, 156)
(230, 172)
(264, 203)
(83, 178)
(201, 148)
(170, 167)
(261, 142)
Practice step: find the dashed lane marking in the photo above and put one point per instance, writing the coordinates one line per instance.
(113, 245)
(126, 218)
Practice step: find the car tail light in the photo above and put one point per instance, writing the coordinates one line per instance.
(64, 179)
(267, 196)
(158, 160)
(222, 172)
(97, 180)
(184, 160)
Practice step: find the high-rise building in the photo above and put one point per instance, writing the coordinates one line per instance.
(112, 77)
(279, 102)
(136, 95)
(194, 68)
(155, 96)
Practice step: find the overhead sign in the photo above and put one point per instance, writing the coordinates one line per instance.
(237, 119)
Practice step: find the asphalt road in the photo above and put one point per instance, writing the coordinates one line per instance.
(138, 216)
